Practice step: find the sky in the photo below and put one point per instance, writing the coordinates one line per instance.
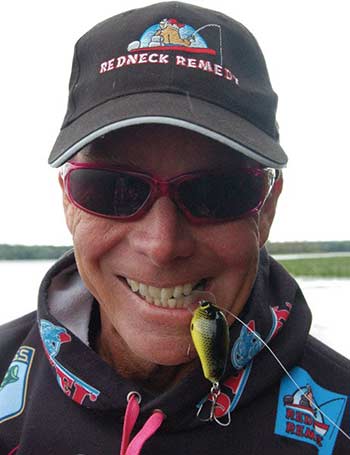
(306, 46)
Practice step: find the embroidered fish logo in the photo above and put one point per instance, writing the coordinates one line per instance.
(53, 336)
(246, 346)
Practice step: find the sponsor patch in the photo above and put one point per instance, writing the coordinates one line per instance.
(13, 389)
(301, 413)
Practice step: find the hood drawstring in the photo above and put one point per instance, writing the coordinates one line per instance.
(150, 427)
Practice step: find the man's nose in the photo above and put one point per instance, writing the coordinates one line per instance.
(163, 234)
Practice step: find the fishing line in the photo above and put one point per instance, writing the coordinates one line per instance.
(277, 360)
(220, 36)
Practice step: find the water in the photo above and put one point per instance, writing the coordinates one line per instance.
(311, 255)
(328, 299)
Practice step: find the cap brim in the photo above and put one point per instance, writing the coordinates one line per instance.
(172, 109)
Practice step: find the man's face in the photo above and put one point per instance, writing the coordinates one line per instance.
(162, 249)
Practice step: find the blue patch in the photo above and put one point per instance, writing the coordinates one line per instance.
(302, 414)
(13, 389)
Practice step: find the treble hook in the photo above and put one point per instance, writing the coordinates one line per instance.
(214, 395)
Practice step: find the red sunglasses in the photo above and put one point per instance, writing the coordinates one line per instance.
(203, 197)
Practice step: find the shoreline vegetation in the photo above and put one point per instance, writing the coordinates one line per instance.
(330, 263)
(323, 266)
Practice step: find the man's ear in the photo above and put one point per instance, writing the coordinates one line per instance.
(67, 206)
(267, 213)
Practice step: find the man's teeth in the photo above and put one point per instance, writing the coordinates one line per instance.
(175, 297)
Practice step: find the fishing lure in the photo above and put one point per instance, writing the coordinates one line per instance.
(210, 335)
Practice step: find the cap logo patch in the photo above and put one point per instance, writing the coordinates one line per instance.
(170, 35)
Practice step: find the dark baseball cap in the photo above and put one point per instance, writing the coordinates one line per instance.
(172, 63)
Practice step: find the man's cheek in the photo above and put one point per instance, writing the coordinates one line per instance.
(73, 219)
(244, 238)
(69, 214)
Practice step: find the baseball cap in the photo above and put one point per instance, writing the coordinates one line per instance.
(177, 64)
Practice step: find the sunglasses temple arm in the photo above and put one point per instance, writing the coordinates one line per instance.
(273, 176)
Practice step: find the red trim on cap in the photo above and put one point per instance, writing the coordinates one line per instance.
(195, 50)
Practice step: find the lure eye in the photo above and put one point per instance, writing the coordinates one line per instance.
(204, 304)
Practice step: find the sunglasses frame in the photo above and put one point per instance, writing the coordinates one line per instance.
(166, 187)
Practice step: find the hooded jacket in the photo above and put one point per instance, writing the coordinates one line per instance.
(58, 397)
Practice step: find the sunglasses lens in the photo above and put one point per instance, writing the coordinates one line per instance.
(120, 194)
(108, 193)
(222, 196)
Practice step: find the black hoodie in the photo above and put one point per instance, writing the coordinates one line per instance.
(58, 397)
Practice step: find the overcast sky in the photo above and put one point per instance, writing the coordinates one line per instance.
(306, 46)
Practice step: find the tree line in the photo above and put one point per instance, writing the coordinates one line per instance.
(308, 247)
(18, 252)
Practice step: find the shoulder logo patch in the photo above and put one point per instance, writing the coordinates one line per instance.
(302, 413)
(13, 389)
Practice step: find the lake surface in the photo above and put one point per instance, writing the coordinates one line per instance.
(312, 255)
(329, 300)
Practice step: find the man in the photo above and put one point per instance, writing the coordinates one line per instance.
(170, 164)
